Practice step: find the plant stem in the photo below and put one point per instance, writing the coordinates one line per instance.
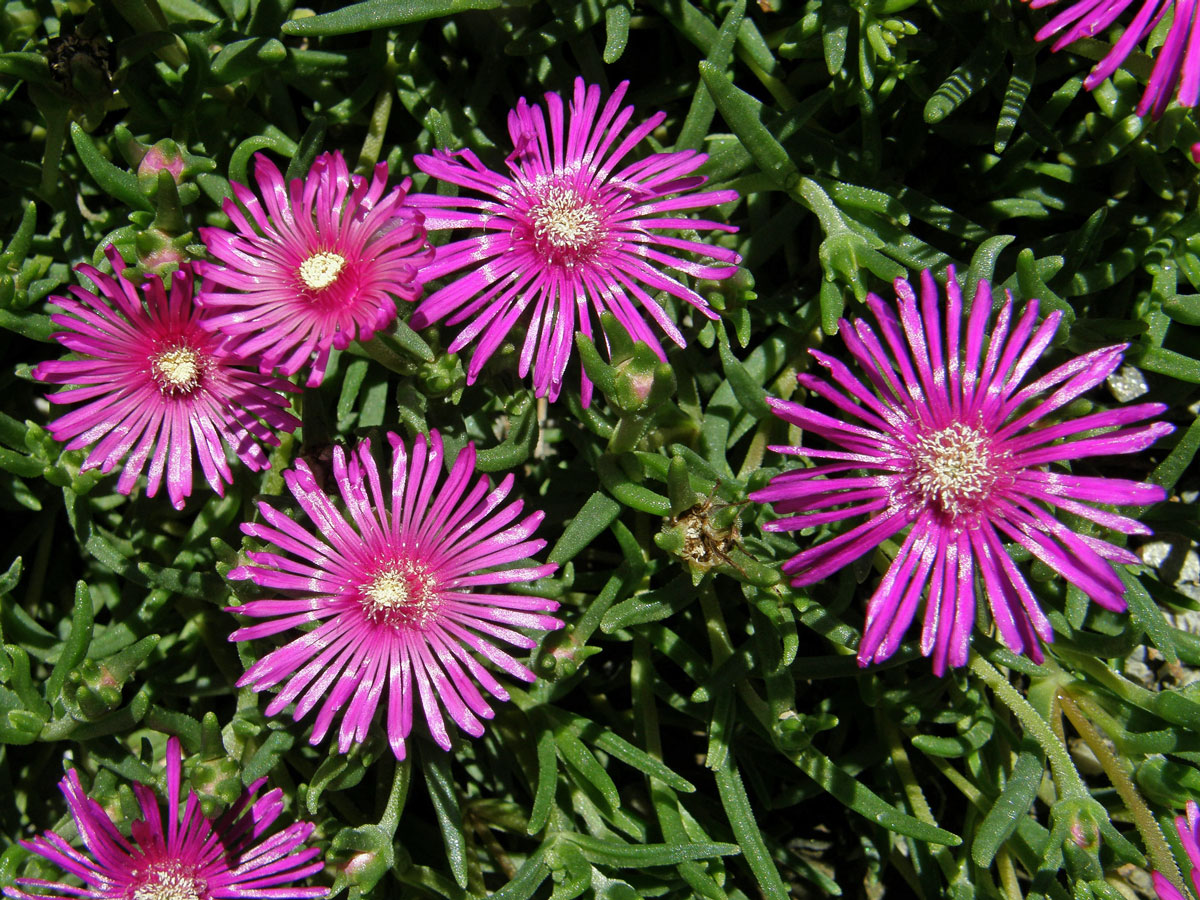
(1066, 777)
(1143, 819)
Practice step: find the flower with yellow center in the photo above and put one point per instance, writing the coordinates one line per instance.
(321, 270)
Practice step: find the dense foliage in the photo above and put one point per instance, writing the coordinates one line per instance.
(699, 727)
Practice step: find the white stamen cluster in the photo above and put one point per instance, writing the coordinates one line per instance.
(321, 270)
(954, 469)
(177, 370)
(565, 225)
(170, 881)
(401, 593)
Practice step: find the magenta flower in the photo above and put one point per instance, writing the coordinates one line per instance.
(396, 593)
(318, 267)
(191, 858)
(940, 441)
(154, 383)
(569, 231)
(1177, 62)
(1188, 827)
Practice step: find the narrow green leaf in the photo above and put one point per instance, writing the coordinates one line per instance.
(1168, 472)
(630, 856)
(547, 781)
(267, 756)
(240, 59)
(749, 392)
(21, 681)
(78, 638)
(1149, 616)
(1032, 285)
(1184, 308)
(199, 585)
(866, 802)
(627, 492)
(18, 247)
(700, 113)
(352, 382)
(1009, 808)
(20, 464)
(271, 139)
(25, 66)
(964, 81)
(1166, 362)
(616, 746)
(440, 782)
(596, 515)
(380, 14)
(616, 31)
(745, 116)
(651, 606)
(576, 754)
(118, 183)
(745, 830)
(10, 578)
(1020, 83)
(310, 146)
(527, 880)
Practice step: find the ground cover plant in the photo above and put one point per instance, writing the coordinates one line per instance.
(683, 448)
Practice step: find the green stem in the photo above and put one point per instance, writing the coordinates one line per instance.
(912, 790)
(1008, 875)
(1143, 819)
(1066, 777)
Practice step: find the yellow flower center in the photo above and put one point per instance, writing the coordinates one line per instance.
(954, 469)
(401, 593)
(177, 369)
(565, 226)
(321, 270)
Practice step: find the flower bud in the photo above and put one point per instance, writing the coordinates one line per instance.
(163, 156)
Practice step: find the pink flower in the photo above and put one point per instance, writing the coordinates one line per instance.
(396, 593)
(191, 857)
(319, 267)
(153, 383)
(570, 230)
(1187, 826)
(944, 447)
(1176, 64)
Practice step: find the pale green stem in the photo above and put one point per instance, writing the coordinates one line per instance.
(1143, 819)
(1066, 777)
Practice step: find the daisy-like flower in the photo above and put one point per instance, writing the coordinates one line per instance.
(572, 230)
(318, 263)
(189, 858)
(396, 590)
(1177, 63)
(153, 383)
(1188, 827)
(950, 439)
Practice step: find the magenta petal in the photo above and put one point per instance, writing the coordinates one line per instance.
(941, 447)
(400, 583)
(567, 234)
(153, 386)
(231, 856)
